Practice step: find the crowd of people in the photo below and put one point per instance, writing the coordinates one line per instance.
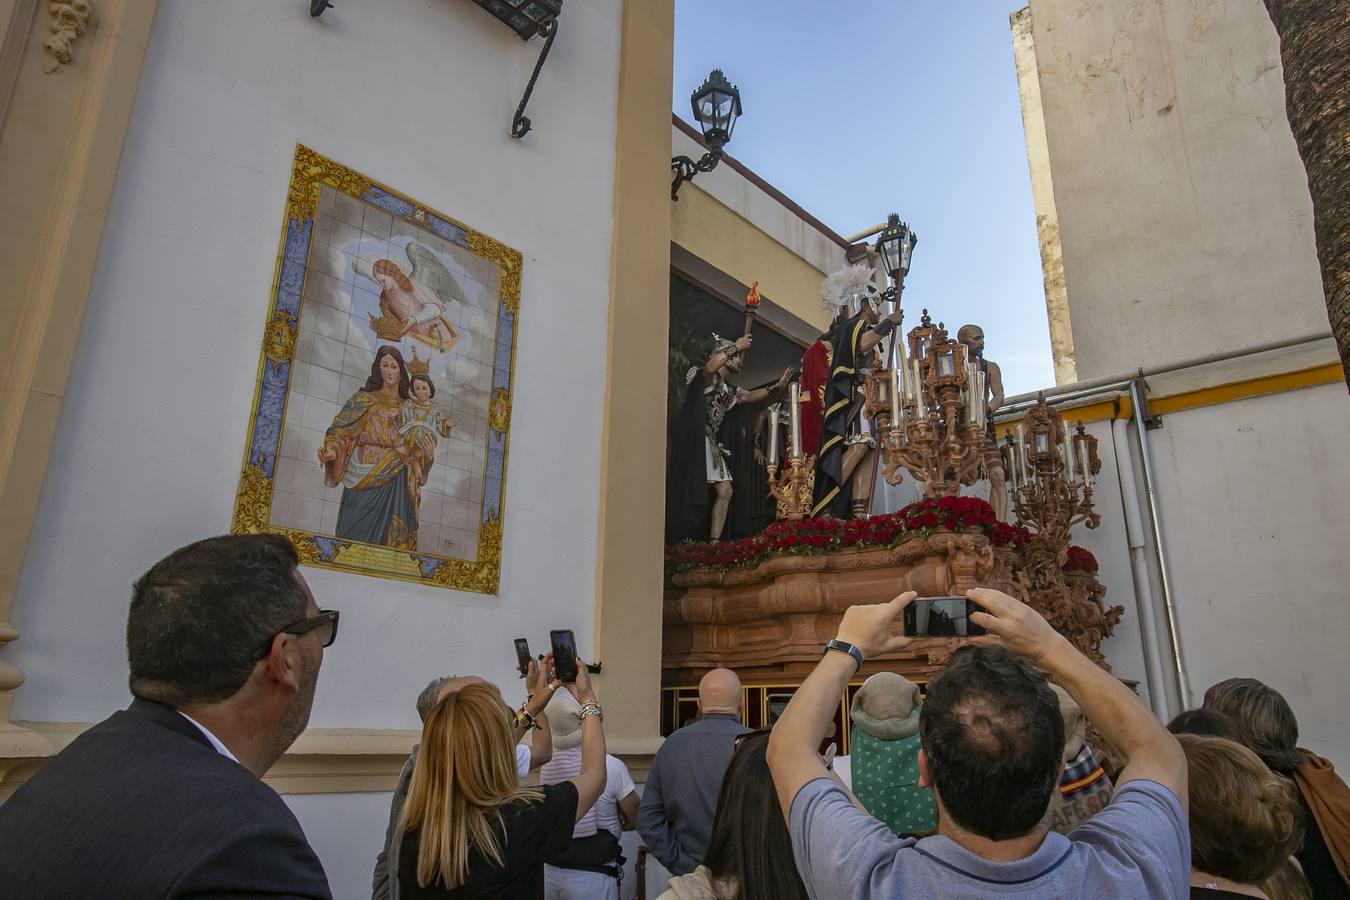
(986, 784)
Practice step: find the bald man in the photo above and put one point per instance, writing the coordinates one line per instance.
(676, 815)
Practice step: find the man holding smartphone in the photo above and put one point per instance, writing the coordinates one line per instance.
(992, 742)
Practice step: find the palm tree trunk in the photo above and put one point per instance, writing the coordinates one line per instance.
(1315, 50)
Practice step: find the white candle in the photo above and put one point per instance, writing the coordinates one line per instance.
(773, 435)
(970, 394)
(919, 409)
(1022, 451)
(903, 365)
(1070, 469)
(895, 399)
(795, 419)
(979, 398)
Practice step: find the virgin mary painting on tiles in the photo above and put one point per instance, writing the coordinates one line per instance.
(379, 433)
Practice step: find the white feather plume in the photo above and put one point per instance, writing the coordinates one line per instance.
(842, 286)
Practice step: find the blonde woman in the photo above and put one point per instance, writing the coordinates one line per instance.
(468, 828)
(1244, 819)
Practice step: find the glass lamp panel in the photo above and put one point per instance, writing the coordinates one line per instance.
(946, 365)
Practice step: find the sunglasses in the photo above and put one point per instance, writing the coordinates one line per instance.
(324, 626)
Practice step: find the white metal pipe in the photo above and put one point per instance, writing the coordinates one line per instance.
(1143, 589)
(866, 233)
(1150, 495)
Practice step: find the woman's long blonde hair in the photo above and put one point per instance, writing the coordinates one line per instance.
(465, 773)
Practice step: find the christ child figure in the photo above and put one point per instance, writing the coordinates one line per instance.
(421, 423)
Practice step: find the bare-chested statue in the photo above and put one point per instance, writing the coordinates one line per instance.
(973, 337)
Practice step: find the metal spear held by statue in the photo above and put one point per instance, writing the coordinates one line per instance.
(751, 307)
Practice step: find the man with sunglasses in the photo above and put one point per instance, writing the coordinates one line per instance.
(166, 798)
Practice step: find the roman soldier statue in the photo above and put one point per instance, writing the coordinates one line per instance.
(700, 457)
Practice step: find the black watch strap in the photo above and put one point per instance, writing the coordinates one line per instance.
(845, 647)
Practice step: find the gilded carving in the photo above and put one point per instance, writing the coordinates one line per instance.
(305, 547)
(253, 503)
(507, 261)
(312, 170)
(499, 411)
(69, 20)
(279, 339)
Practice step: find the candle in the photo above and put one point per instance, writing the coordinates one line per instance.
(773, 435)
(895, 399)
(903, 365)
(795, 419)
(970, 394)
(1070, 467)
(979, 394)
(919, 409)
(1021, 446)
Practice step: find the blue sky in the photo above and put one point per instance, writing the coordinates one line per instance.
(875, 106)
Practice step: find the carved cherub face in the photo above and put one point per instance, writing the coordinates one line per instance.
(968, 543)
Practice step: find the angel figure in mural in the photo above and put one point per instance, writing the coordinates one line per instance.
(421, 422)
(366, 452)
(420, 302)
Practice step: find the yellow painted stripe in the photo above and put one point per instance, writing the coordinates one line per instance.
(1122, 408)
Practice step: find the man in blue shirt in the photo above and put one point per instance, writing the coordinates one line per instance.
(992, 743)
(676, 814)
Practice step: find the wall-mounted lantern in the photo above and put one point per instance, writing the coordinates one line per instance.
(717, 106)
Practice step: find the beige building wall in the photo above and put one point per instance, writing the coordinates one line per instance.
(1182, 205)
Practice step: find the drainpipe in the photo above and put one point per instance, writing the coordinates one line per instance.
(1143, 590)
(1137, 401)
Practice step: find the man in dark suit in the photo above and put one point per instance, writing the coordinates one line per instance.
(165, 798)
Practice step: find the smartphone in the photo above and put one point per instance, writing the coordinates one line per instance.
(523, 656)
(941, 617)
(564, 654)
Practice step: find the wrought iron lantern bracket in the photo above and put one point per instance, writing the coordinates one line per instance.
(685, 169)
(520, 123)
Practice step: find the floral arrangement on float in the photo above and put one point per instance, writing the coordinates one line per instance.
(1079, 560)
(806, 537)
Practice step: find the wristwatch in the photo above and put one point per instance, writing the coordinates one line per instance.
(845, 647)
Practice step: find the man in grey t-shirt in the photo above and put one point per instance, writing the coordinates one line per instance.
(992, 741)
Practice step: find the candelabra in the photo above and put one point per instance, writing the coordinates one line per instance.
(928, 412)
(1051, 470)
(793, 491)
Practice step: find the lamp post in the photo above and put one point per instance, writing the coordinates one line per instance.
(895, 246)
(717, 106)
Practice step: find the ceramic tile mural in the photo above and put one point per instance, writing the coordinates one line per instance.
(378, 442)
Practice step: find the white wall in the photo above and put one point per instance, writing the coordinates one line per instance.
(1254, 500)
(415, 94)
(1183, 206)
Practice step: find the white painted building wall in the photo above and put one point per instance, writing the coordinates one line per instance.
(1183, 208)
(418, 95)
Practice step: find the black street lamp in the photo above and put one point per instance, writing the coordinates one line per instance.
(896, 245)
(717, 106)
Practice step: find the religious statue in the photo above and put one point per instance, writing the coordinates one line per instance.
(699, 456)
(973, 337)
(832, 371)
(966, 566)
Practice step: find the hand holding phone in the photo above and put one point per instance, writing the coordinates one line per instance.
(523, 657)
(564, 646)
(941, 617)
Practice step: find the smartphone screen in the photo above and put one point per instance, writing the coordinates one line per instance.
(523, 656)
(564, 655)
(941, 617)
